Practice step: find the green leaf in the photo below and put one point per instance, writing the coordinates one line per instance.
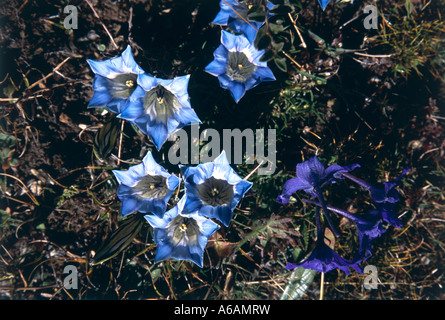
(276, 28)
(263, 43)
(278, 46)
(106, 138)
(281, 64)
(281, 9)
(298, 283)
(120, 238)
(258, 15)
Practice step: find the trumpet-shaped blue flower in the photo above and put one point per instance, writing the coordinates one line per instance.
(145, 187)
(324, 3)
(181, 236)
(159, 107)
(237, 65)
(213, 188)
(233, 14)
(114, 81)
(311, 177)
(323, 258)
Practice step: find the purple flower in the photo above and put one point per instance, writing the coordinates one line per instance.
(323, 258)
(388, 214)
(312, 175)
(381, 193)
(369, 227)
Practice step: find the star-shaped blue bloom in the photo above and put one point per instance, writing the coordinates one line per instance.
(213, 188)
(160, 107)
(145, 187)
(114, 81)
(323, 258)
(233, 14)
(237, 65)
(312, 175)
(181, 236)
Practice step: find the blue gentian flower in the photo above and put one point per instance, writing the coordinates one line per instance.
(324, 3)
(181, 236)
(213, 188)
(145, 187)
(323, 258)
(237, 65)
(159, 107)
(233, 14)
(114, 81)
(381, 193)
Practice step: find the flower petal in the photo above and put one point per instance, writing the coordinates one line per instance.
(237, 89)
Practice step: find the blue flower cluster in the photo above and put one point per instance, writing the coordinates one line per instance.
(158, 107)
(237, 63)
(312, 176)
(212, 190)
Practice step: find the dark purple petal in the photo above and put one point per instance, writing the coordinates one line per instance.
(290, 187)
(324, 259)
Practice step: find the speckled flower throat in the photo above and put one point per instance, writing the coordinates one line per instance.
(215, 192)
(183, 229)
(239, 68)
(161, 104)
(123, 85)
(151, 187)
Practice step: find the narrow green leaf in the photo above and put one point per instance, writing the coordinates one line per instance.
(106, 138)
(120, 238)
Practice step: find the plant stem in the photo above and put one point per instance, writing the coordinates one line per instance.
(322, 286)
